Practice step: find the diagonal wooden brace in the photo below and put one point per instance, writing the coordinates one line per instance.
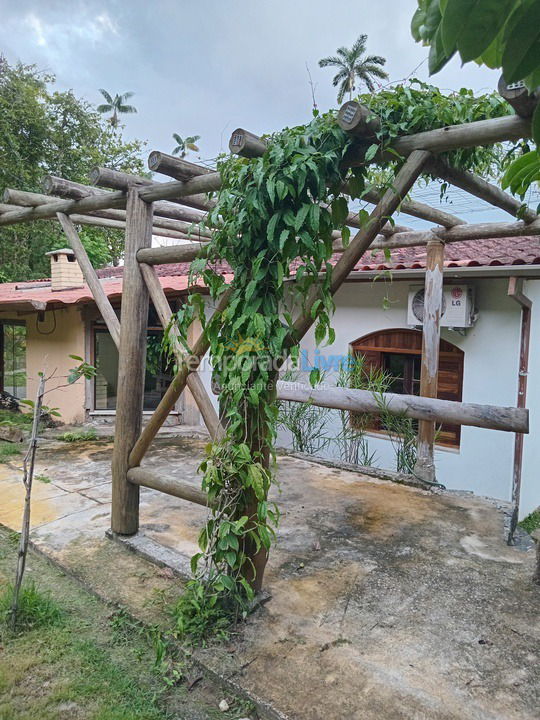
(193, 380)
(91, 278)
(176, 388)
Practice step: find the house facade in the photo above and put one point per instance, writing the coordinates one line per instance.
(480, 359)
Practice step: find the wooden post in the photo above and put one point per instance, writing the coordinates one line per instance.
(431, 339)
(515, 291)
(131, 366)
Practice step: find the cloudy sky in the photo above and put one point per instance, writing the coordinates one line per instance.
(210, 66)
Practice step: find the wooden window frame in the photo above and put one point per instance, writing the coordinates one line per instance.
(405, 341)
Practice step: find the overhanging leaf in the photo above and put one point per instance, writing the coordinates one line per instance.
(472, 25)
(522, 52)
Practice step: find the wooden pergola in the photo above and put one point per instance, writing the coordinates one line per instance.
(143, 207)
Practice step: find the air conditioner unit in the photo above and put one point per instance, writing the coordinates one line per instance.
(457, 307)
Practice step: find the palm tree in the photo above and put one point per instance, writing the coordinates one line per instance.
(116, 105)
(354, 65)
(185, 144)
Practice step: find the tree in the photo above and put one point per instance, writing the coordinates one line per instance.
(116, 105)
(43, 131)
(501, 34)
(185, 144)
(354, 65)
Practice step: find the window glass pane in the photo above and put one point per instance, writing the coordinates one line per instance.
(14, 359)
(157, 377)
(395, 366)
(158, 374)
(106, 379)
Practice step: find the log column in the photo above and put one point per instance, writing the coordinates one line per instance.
(431, 338)
(131, 365)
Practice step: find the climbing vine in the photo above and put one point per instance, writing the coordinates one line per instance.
(274, 217)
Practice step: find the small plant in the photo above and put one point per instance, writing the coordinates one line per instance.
(34, 608)
(45, 479)
(307, 423)
(351, 439)
(531, 522)
(79, 436)
(402, 432)
(7, 451)
(200, 614)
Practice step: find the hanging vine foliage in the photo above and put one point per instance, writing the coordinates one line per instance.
(274, 217)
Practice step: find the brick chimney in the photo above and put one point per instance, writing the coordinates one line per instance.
(65, 270)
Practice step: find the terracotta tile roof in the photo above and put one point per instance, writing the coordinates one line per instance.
(41, 298)
(174, 277)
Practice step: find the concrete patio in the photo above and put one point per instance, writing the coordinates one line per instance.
(386, 601)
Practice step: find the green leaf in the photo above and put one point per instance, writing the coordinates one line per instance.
(521, 55)
(315, 377)
(340, 210)
(371, 152)
(438, 57)
(194, 562)
(472, 25)
(272, 227)
(301, 216)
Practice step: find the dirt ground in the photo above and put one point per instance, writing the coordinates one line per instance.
(386, 601)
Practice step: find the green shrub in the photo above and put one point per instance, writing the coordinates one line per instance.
(79, 436)
(36, 609)
(531, 522)
(22, 420)
(8, 450)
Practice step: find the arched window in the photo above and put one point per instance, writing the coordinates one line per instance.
(399, 353)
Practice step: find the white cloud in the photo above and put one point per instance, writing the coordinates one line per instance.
(36, 25)
(106, 23)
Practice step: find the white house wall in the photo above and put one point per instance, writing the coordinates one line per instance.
(484, 462)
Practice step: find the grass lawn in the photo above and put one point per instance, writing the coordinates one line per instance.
(84, 660)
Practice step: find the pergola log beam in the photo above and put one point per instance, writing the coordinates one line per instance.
(32, 199)
(480, 188)
(451, 137)
(53, 185)
(174, 167)
(419, 210)
(194, 382)
(123, 181)
(171, 254)
(176, 488)
(491, 417)
(246, 144)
